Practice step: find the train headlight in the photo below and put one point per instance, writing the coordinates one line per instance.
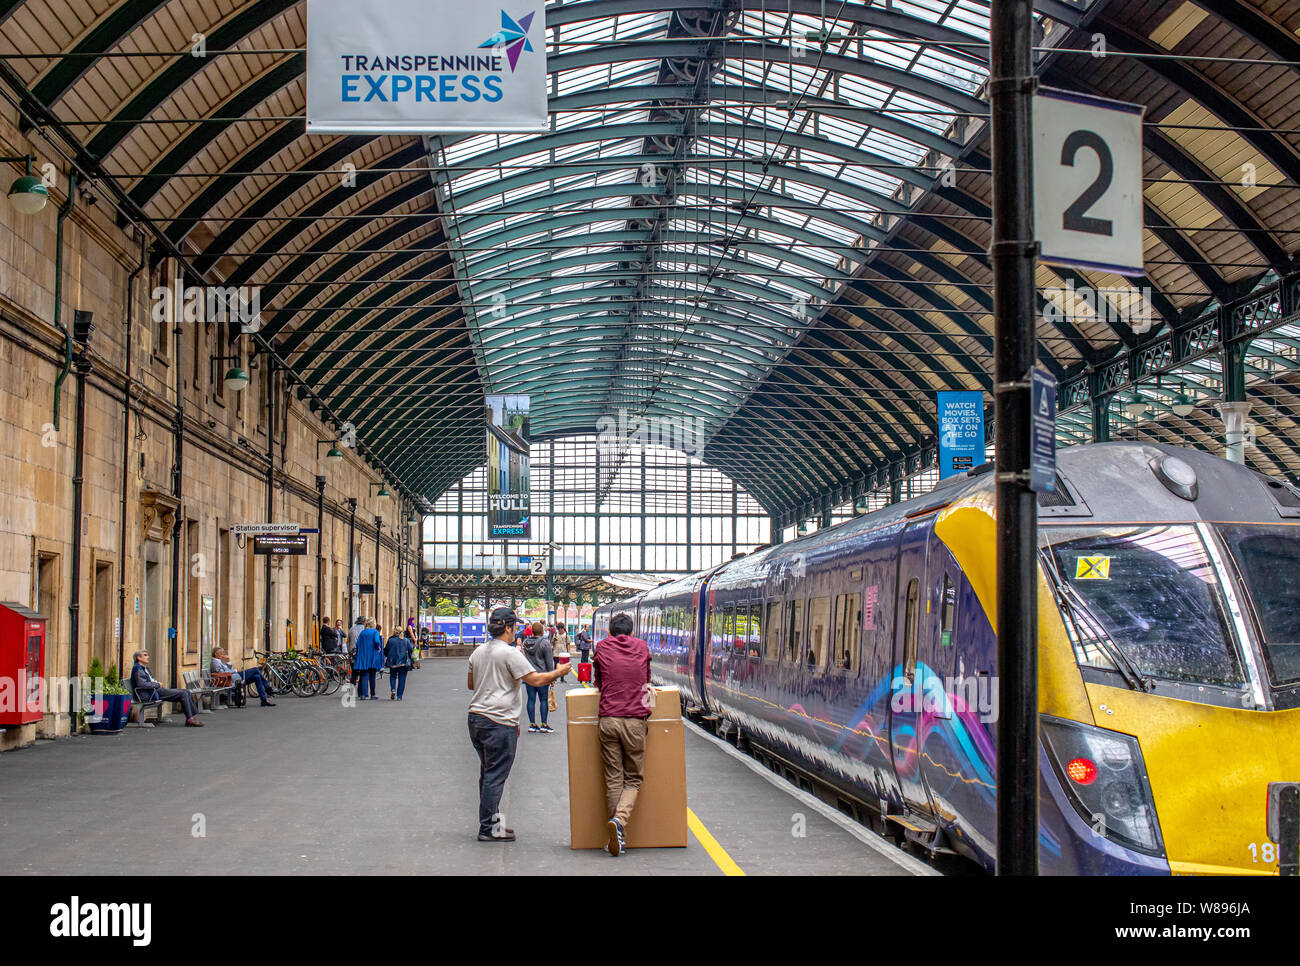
(1113, 795)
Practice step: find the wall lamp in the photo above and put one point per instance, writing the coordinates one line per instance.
(383, 490)
(236, 378)
(28, 194)
(335, 455)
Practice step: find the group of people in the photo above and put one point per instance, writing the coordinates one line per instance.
(146, 687)
(363, 642)
(370, 652)
(501, 669)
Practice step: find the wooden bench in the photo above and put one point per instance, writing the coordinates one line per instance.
(139, 705)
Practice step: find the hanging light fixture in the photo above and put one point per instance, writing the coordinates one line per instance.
(28, 193)
(236, 379)
(1184, 406)
(1136, 408)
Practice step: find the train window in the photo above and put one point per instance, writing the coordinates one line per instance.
(853, 633)
(1266, 556)
(949, 612)
(772, 632)
(793, 630)
(729, 628)
(848, 631)
(819, 631)
(1148, 597)
(754, 639)
(910, 627)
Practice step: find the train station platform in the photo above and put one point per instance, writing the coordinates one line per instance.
(313, 786)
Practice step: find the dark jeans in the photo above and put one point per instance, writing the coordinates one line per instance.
(397, 679)
(584, 651)
(367, 679)
(540, 695)
(184, 697)
(253, 676)
(495, 744)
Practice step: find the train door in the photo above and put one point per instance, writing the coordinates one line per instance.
(942, 687)
(907, 687)
(699, 637)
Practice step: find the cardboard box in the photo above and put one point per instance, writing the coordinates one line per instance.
(659, 818)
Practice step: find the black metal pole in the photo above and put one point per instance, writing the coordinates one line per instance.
(320, 554)
(268, 610)
(379, 528)
(352, 560)
(1013, 254)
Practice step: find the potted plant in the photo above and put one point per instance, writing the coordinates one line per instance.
(110, 703)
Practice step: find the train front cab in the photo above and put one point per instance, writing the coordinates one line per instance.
(1169, 683)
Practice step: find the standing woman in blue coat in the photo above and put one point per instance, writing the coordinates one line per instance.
(369, 659)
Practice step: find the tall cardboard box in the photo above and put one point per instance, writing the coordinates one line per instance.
(659, 818)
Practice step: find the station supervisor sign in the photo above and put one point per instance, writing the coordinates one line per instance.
(425, 67)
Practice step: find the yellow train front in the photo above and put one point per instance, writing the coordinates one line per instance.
(1169, 627)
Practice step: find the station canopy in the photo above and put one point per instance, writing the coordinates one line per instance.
(768, 218)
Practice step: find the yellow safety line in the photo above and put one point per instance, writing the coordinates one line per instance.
(716, 852)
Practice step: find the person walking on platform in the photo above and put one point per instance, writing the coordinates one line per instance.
(496, 670)
(583, 640)
(538, 651)
(622, 673)
(353, 633)
(560, 641)
(398, 659)
(369, 659)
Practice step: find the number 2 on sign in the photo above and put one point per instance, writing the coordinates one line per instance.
(1075, 217)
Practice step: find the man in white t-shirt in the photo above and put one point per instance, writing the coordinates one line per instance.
(497, 672)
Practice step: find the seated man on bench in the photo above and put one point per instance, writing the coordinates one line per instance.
(241, 679)
(145, 687)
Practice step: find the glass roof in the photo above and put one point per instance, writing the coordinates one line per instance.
(688, 217)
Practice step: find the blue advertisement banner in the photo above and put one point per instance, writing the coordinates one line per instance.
(961, 432)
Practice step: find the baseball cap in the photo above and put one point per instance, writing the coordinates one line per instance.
(503, 615)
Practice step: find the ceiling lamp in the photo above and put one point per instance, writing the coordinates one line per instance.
(1136, 409)
(236, 378)
(1183, 406)
(413, 519)
(335, 455)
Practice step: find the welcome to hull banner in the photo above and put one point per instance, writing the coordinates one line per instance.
(426, 66)
(508, 486)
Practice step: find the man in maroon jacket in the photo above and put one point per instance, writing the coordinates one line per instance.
(622, 669)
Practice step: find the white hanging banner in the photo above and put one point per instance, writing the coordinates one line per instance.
(426, 66)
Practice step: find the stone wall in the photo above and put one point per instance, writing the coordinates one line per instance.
(223, 469)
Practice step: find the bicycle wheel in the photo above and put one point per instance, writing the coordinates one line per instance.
(278, 679)
(307, 681)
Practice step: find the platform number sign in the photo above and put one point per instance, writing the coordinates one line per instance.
(1088, 181)
(537, 566)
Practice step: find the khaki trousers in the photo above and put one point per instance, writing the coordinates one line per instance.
(622, 749)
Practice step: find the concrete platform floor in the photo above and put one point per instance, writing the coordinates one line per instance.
(312, 786)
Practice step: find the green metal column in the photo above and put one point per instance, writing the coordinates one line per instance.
(1101, 419)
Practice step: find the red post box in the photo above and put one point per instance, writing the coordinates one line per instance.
(22, 658)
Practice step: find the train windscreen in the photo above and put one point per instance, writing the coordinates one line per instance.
(1268, 559)
(1147, 597)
